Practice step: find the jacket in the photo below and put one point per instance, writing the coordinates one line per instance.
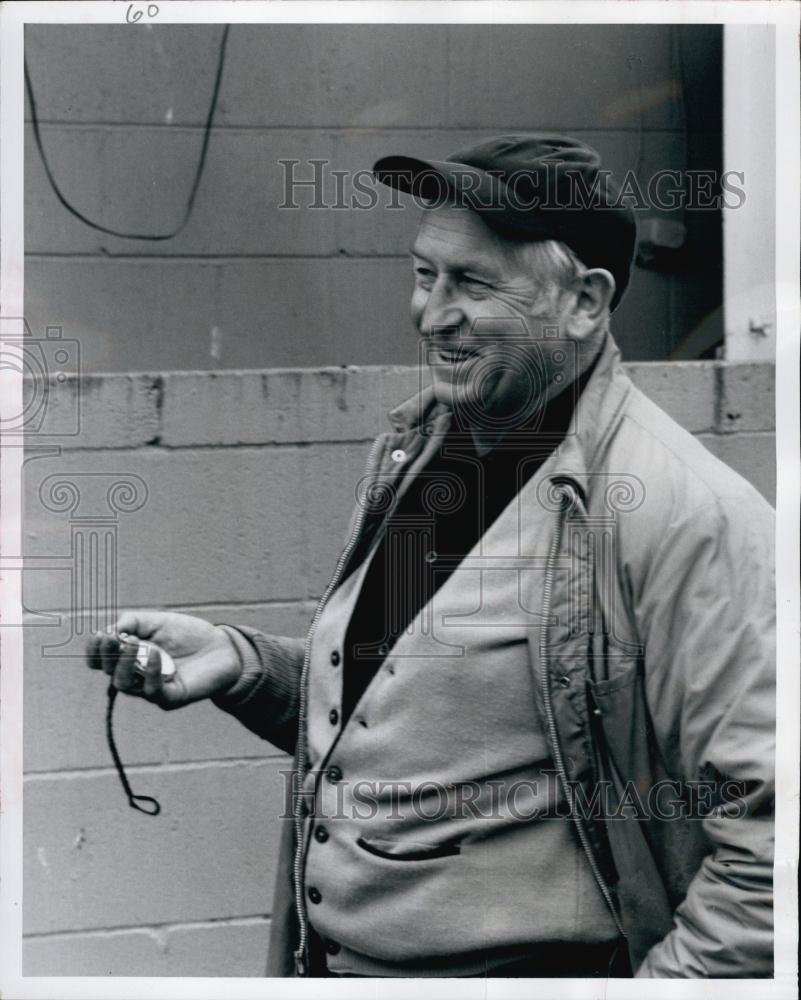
(656, 678)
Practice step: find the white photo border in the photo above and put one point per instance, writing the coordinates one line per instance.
(13, 18)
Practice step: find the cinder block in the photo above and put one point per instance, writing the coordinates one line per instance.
(752, 455)
(235, 949)
(357, 76)
(370, 321)
(238, 948)
(505, 75)
(330, 477)
(94, 411)
(165, 315)
(686, 390)
(748, 397)
(215, 524)
(231, 407)
(127, 315)
(65, 702)
(96, 73)
(287, 406)
(137, 180)
(92, 862)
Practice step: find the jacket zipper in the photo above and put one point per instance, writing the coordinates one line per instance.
(550, 721)
(301, 956)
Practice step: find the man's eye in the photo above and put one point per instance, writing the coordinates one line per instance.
(474, 283)
(424, 272)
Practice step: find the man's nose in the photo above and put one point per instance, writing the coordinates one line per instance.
(442, 315)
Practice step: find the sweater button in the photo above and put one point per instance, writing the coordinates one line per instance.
(321, 834)
(399, 455)
(332, 947)
(383, 649)
(333, 716)
(335, 657)
(315, 895)
(565, 682)
(334, 774)
(431, 557)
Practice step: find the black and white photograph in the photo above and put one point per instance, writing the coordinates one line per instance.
(400, 468)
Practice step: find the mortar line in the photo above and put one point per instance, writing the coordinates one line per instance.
(215, 763)
(107, 255)
(162, 446)
(270, 602)
(357, 130)
(245, 921)
(709, 431)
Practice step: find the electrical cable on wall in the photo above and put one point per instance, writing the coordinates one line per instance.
(190, 202)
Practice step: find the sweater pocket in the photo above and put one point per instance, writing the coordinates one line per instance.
(392, 850)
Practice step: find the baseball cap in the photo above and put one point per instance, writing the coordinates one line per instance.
(535, 186)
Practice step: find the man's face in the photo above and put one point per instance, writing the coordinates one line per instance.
(477, 305)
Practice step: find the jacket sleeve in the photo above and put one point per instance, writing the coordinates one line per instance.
(267, 694)
(706, 615)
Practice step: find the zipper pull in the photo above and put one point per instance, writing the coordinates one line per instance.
(300, 963)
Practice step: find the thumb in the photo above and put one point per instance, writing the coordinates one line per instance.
(143, 624)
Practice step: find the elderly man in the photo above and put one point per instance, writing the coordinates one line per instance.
(533, 717)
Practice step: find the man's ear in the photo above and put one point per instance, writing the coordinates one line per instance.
(594, 291)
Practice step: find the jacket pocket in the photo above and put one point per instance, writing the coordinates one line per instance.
(412, 850)
(627, 728)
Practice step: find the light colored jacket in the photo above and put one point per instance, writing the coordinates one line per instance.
(656, 678)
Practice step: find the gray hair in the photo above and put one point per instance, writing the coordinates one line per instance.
(555, 266)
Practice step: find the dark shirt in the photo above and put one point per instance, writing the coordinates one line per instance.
(438, 520)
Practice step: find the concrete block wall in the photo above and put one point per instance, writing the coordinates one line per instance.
(250, 481)
(248, 284)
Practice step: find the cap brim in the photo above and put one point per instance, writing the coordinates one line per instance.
(445, 182)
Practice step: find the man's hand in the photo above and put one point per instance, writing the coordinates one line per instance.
(206, 661)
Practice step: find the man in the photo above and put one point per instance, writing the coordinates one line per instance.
(548, 587)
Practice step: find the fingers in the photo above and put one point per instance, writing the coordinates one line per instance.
(109, 647)
(102, 651)
(153, 679)
(117, 651)
(93, 652)
(124, 673)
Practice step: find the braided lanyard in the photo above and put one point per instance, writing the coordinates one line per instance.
(144, 803)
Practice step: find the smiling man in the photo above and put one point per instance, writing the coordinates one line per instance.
(533, 718)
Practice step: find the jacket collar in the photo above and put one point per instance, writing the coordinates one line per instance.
(596, 414)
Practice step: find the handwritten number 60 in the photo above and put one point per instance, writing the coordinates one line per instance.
(132, 18)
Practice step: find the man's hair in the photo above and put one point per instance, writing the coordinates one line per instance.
(555, 266)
